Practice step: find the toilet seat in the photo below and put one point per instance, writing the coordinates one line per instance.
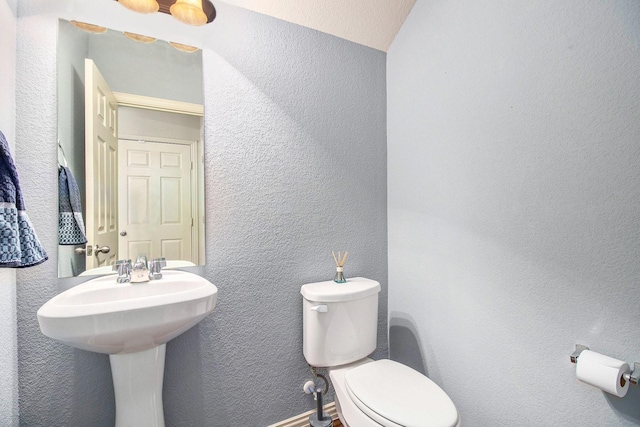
(395, 395)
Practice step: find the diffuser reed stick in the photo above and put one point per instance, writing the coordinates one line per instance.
(339, 260)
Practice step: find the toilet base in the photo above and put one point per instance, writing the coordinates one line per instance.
(339, 412)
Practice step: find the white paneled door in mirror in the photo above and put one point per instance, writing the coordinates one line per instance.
(101, 147)
(156, 216)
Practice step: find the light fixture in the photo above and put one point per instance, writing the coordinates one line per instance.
(141, 6)
(88, 27)
(183, 47)
(139, 37)
(189, 12)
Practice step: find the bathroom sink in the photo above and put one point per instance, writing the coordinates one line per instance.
(108, 317)
(132, 324)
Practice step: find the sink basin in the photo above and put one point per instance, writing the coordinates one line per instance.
(132, 323)
(108, 317)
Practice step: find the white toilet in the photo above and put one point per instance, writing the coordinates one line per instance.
(339, 332)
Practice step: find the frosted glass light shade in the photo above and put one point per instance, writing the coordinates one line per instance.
(88, 27)
(139, 37)
(141, 6)
(189, 12)
(183, 47)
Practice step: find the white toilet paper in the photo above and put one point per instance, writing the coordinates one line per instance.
(603, 372)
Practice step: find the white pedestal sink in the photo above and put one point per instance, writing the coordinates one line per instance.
(132, 324)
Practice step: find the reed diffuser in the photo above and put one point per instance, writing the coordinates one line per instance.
(340, 259)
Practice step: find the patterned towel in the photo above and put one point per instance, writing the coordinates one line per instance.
(19, 245)
(71, 229)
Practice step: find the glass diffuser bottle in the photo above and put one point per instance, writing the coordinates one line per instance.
(340, 260)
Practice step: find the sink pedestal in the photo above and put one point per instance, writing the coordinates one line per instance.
(137, 383)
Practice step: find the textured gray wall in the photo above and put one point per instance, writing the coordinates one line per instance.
(514, 196)
(8, 338)
(296, 167)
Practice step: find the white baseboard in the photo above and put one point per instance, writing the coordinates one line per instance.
(302, 420)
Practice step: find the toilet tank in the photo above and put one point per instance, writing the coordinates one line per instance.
(340, 321)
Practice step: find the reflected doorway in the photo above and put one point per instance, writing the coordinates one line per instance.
(158, 184)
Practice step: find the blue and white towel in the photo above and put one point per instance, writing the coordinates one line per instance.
(19, 245)
(71, 229)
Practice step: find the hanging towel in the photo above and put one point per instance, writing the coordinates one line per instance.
(71, 229)
(19, 245)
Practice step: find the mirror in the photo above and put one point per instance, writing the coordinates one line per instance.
(130, 151)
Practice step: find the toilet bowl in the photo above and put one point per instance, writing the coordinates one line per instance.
(339, 332)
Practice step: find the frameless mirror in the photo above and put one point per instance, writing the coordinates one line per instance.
(130, 151)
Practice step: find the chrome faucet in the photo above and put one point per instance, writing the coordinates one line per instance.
(123, 267)
(140, 270)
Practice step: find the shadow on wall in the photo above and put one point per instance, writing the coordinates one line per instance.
(404, 345)
(627, 406)
(184, 377)
(92, 382)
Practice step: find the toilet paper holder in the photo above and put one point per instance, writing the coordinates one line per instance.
(633, 377)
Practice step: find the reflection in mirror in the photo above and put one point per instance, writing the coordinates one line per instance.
(130, 152)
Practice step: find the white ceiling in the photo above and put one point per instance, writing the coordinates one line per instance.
(372, 23)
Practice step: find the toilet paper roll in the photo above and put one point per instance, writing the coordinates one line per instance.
(603, 372)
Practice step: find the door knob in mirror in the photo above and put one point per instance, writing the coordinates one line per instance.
(102, 250)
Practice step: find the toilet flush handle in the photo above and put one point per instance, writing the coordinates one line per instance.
(320, 308)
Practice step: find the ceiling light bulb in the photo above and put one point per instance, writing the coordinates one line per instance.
(141, 6)
(189, 12)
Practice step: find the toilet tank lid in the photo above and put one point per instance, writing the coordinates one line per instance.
(330, 291)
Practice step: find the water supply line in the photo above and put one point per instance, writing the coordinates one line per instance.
(322, 377)
(320, 418)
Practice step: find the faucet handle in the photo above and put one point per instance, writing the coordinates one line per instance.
(123, 267)
(121, 263)
(160, 262)
(155, 268)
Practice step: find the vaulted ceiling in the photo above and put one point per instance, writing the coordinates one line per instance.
(372, 23)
